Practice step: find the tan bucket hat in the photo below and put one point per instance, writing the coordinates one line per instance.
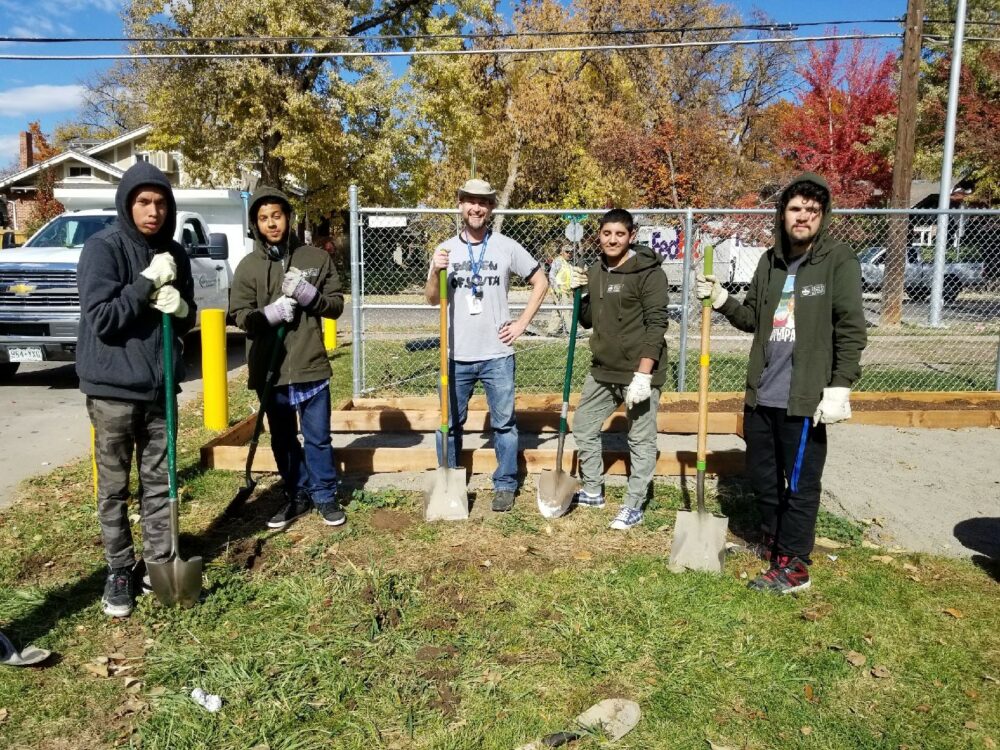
(476, 188)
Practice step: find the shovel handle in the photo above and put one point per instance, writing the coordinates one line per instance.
(706, 332)
(170, 403)
(443, 294)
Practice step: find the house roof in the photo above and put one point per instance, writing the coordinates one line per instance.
(87, 156)
(90, 161)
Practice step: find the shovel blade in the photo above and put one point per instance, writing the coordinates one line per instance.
(699, 542)
(176, 581)
(616, 716)
(26, 657)
(448, 497)
(556, 490)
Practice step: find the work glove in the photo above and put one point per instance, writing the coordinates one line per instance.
(639, 389)
(294, 285)
(578, 277)
(708, 287)
(168, 300)
(834, 407)
(282, 310)
(162, 270)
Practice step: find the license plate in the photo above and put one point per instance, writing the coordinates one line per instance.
(24, 354)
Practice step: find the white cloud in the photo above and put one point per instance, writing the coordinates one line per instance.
(10, 149)
(31, 101)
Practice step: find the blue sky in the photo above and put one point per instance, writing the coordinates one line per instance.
(50, 91)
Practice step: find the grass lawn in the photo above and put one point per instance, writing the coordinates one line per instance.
(390, 633)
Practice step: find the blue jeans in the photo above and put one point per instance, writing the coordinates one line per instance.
(311, 470)
(497, 377)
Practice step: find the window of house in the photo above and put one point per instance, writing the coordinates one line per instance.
(80, 172)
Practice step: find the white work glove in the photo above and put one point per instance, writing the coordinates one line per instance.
(295, 285)
(578, 277)
(162, 270)
(638, 390)
(834, 407)
(168, 300)
(282, 310)
(708, 287)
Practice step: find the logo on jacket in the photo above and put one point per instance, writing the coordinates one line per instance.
(813, 290)
(614, 288)
(21, 289)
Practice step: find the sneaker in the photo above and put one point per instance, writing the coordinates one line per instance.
(332, 514)
(627, 518)
(590, 501)
(787, 575)
(119, 596)
(297, 507)
(503, 500)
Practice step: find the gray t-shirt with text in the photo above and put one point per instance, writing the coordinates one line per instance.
(776, 379)
(475, 337)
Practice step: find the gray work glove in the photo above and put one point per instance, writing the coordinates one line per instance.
(282, 310)
(162, 270)
(294, 285)
(168, 300)
(708, 287)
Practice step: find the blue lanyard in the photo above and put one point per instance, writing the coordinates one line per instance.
(475, 265)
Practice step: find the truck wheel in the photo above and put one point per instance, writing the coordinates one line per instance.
(918, 293)
(950, 290)
(7, 369)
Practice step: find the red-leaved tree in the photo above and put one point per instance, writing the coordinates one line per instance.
(828, 129)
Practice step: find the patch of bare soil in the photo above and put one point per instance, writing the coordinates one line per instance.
(893, 403)
(392, 520)
(244, 554)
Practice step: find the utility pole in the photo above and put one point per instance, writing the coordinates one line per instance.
(902, 168)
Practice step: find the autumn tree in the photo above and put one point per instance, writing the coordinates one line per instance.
(829, 129)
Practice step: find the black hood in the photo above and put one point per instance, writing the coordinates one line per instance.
(139, 175)
(265, 194)
(820, 246)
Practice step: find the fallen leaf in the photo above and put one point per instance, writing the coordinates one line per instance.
(817, 611)
(989, 743)
(885, 559)
(879, 671)
(956, 613)
(867, 638)
(972, 694)
(856, 659)
(938, 684)
(156, 692)
(822, 541)
(971, 725)
(583, 554)
(117, 656)
(98, 670)
(487, 564)
(923, 708)
(910, 568)
(131, 706)
(806, 731)
(809, 693)
(102, 660)
(865, 544)
(4, 713)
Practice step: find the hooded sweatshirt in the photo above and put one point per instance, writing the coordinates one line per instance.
(830, 323)
(119, 352)
(257, 283)
(627, 308)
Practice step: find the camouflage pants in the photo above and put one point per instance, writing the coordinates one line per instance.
(122, 428)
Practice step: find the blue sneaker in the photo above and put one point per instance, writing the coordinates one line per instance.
(627, 518)
(582, 497)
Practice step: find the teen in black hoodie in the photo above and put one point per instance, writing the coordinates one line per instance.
(129, 276)
(626, 305)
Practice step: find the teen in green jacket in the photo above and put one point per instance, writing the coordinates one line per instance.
(285, 283)
(804, 308)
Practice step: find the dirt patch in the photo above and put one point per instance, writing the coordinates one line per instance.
(385, 615)
(447, 700)
(433, 653)
(729, 404)
(892, 403)
(391, 520)
(244, 554)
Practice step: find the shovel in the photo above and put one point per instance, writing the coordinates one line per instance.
(448, 498)
(556, 488)
(249, 483)
(700, 537)
(615, 717)
(27, 657)
(175, 581)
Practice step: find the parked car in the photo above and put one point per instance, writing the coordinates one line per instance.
(918, 274)
(39, 301)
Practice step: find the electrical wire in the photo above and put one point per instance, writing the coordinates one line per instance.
(454, 52)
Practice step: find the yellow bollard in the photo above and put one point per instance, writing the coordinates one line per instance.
(329, 334)
(213, 369)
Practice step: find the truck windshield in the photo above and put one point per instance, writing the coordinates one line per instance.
(69, 231)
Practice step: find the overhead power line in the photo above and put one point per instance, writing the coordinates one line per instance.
(772, 27)
(453, 52)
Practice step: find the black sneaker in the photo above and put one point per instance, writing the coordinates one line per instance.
(332, 514)
(297, 507)
(503, 500)
(119, 595)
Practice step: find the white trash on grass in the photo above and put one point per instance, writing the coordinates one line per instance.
(206, 700)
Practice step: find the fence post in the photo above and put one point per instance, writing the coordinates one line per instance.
(356, 270)
(685, 289)
(996, 386)
(213, 369)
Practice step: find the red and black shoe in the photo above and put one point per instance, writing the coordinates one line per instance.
(786, 576)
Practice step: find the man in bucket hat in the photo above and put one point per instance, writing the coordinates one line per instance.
(479, 263)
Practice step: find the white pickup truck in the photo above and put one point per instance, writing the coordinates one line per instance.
(39, 301)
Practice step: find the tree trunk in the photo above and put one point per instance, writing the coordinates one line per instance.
(513, 165)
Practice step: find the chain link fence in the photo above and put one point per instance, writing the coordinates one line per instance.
(947, 337)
